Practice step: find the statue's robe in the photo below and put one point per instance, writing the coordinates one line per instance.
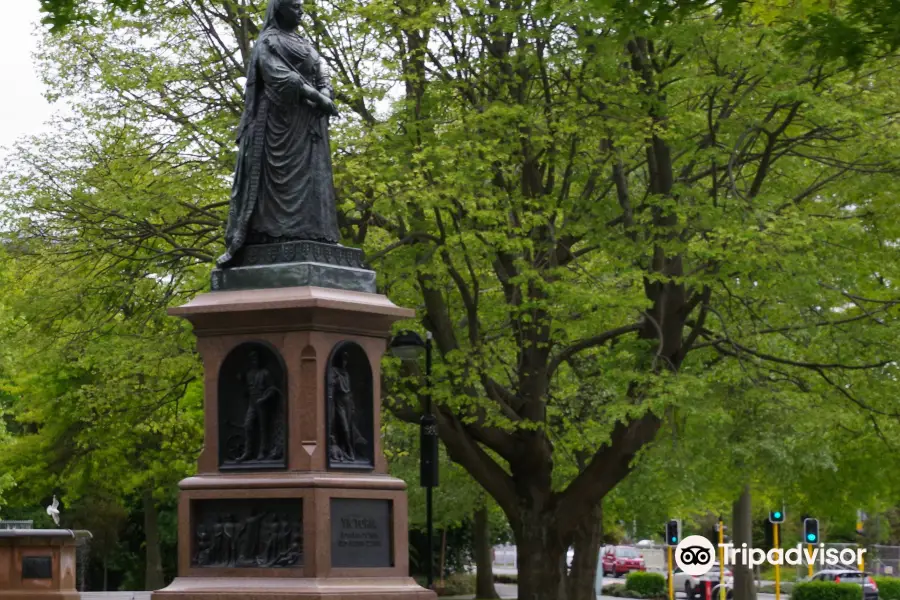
(283, 185)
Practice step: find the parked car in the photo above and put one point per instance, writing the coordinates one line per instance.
(619, 560)
(870, 589)
(693, 585)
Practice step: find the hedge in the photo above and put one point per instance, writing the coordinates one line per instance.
(648, 585)
(888, 588)
(613, 589)
(618, 590)
(825, 590)
(458, 584)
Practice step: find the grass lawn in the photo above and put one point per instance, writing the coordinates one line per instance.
(787, 574)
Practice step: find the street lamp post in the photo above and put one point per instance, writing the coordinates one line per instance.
(408, 345)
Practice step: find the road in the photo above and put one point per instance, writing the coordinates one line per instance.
(508, 591)
(511, 571)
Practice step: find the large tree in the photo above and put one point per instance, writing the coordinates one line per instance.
(591, 205)
(672, 196)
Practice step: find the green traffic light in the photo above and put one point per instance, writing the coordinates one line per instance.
(810, 537)
(777, 514)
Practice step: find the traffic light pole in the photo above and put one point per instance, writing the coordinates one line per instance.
(671, 584)
(429, 462)
(777, 565)
(722, 591)
(808, 561)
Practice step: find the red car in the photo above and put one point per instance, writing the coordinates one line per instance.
(618, 560)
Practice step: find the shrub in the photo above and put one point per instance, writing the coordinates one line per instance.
(458, 584)
(888, 588)
(648, 585)
(618, 590)
(825, 590)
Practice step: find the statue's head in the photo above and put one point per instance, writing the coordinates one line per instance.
(253, 358)
(286, 14)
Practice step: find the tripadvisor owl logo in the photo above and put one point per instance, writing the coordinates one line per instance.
(694, 555)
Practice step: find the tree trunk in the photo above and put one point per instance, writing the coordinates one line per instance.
(586, 542)
(484, 573)
(541, 559)
(443, 553)
(742, 519)
(153, 577)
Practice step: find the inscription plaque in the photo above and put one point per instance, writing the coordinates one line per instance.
(37, 567)
(361, 533)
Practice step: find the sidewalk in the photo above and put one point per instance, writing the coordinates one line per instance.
(115, 595)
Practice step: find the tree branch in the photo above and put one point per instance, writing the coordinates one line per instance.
(591, 342)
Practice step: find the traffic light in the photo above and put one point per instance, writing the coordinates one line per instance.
(673, 532)
(810, 531)
(776, 516)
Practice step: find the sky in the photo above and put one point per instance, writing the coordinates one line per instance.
(23, 110)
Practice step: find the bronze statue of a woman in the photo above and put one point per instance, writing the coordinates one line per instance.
(283, 185)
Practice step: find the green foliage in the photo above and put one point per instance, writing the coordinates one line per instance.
(853, 30)
(619, 590)
(6, 479)
(459, 584)
(767, 572)
(648, 585)
(888, 588)
(825, 590)
(61, 13)
(457, 496)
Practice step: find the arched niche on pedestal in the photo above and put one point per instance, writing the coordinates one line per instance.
(253, 408)
(349, 408)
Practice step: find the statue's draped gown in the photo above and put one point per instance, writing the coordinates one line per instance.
(283, 185)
